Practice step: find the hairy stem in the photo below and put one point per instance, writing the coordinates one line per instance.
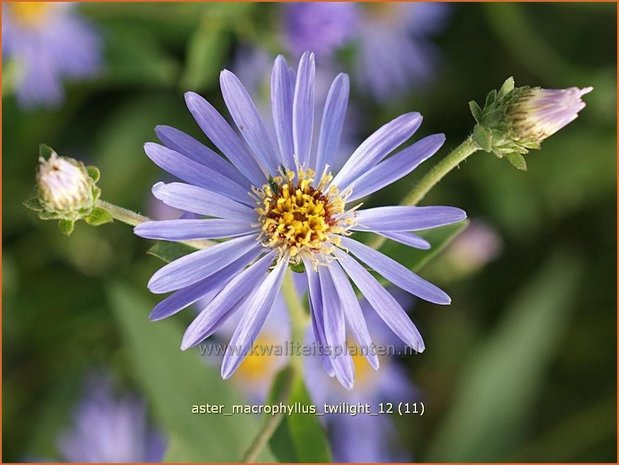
(122, 214)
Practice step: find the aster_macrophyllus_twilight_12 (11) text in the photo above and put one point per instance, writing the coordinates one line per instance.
(279, 206)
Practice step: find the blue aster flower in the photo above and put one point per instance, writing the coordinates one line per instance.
(277, 203)
(48, 42)
(110, 429)
(364, 437)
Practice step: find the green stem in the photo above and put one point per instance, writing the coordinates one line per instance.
(122, 214)
(299, 317)
(133, 219)
(438, 172)
(298, 322)
(273, 421)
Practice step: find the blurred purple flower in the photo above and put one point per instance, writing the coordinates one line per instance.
(394, 53)
(477, 245)
(365, 438)
(48, 42)
(110, 429)
(321, 27)
(393, 50)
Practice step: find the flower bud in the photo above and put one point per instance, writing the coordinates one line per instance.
(515, 120)
(64, 186)
(538, 113)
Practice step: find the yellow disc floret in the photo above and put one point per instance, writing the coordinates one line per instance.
(298, 217)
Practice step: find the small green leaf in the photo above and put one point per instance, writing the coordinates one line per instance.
(507, 87)
(169, 251)
(517, 160)
(33, 204)
(93, 173)
(475, 110)
(483, 137)
(98, 217)
(66, 227)
(490, 98)
(45, 151)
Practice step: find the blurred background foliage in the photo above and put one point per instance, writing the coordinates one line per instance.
(522, 365)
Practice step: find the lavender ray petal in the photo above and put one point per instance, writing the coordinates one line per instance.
(335, 330)
(332, 122)
(395, 167)
(303, 108)
(281, 102)
(183, 230)
(196, 173)
(316, 310)
(406, 238)
(201, 264)
(353, 312)
(200, 153)
(396, 273)
(209, 319)
(255, 311)
(403, 218)
(204, 202)
(383, 303)
(225, 139)
(376, 147)
(202, 290)
(248, 120)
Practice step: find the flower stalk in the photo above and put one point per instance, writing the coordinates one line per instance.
(298, 321)
(122, 214)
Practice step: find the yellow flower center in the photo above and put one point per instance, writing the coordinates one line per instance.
(30, 13)
(259, 364)
(298, 218)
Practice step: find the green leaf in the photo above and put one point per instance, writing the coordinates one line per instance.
(475, 110)
(496, 395)
(175, 381)
(483, 137)
(93, 173)
(205, 53)
(98, 217)
(33, 204)
(415, 259)
(517, 160)
(66, 227)
(307, 434)
(490, 98)
(300, 437)
(507, 87)
(45, 151)
(169, 251)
